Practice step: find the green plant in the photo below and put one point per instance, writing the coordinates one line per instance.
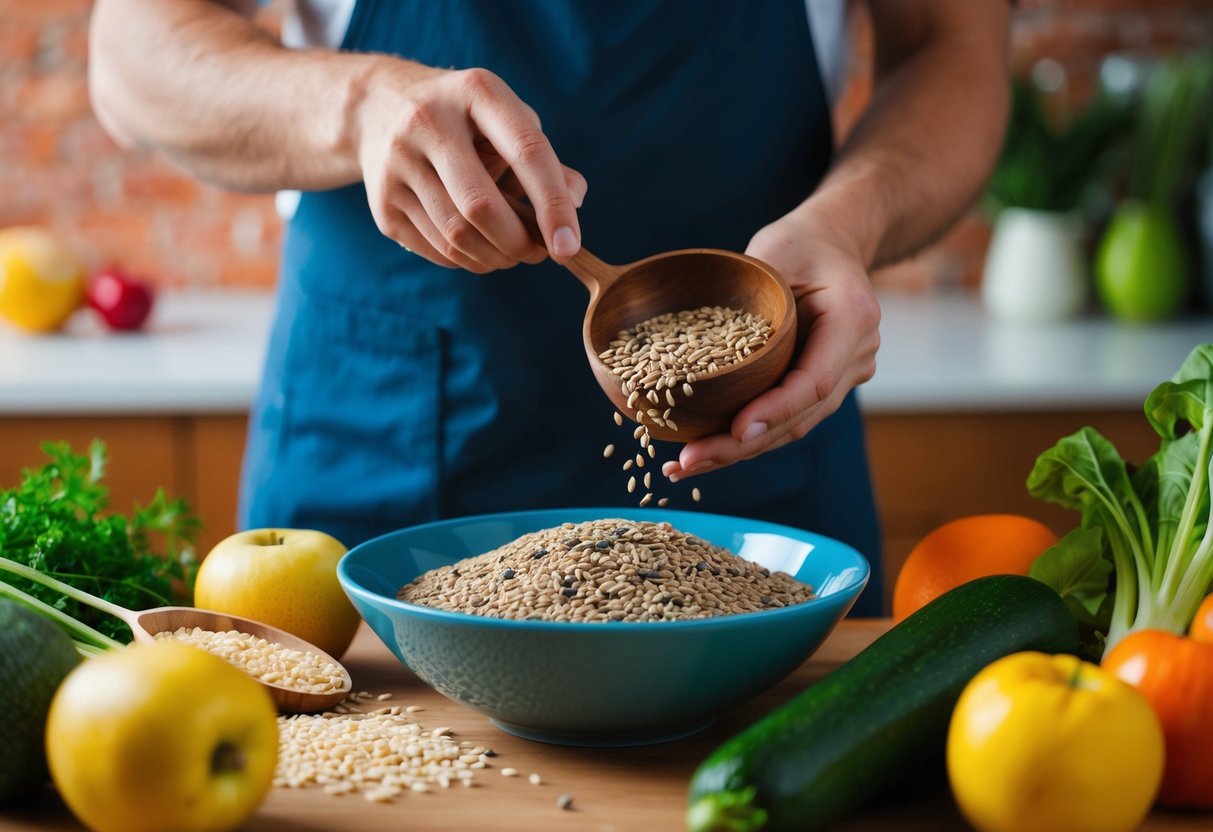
(55, 522)
(1143, 555)
(1174, 106)
(1045, 165)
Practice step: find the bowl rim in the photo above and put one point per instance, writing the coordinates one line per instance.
(846, 594)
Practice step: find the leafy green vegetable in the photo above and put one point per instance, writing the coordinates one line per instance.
(1150, 529)
(1176, 100)
(55, 522)
(1047, 166)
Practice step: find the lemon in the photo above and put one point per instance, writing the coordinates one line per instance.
(41, 281)
(161, 737)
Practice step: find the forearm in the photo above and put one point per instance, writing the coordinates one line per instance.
(202, 84)
(922, 151)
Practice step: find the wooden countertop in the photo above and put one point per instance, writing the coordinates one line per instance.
(613, 790)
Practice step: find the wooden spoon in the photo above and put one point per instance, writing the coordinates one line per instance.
(145, 624)
(623, 296)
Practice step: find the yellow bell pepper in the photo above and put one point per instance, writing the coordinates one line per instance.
(1039, 743)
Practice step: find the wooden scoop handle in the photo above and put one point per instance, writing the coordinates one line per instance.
(595, 274)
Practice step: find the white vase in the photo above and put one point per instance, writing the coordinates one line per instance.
(1035, 269)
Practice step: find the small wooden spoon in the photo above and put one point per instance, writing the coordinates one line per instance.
(145, 624)
(623, 296)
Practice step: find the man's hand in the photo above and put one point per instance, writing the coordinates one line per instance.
(434, 146)
(838, 318)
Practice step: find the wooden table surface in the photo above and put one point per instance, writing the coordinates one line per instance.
(613, 790)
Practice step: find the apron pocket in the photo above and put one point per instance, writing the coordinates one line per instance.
(360, 420)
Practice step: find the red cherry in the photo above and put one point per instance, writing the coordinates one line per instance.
(124, 302)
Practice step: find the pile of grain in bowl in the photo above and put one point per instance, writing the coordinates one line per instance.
(665, 355)
(606, 570)
(266, 661)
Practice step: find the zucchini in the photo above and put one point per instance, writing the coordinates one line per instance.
(875, 720)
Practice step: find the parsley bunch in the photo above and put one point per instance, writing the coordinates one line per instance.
(55, 522)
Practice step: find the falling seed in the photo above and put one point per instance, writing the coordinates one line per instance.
(644, 440)
(608, 451)
(644, 501)
(640, 460)
(640, 431)
(672, 425)
(628, 463)
(669, 396)
(648, 479)
(663, 502)
(652, 449)
(631, 484)
(695, 495)
(618, 418)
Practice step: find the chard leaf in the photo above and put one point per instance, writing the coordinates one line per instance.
(1163, 485)
(1083, 472)
(1188, 396)
(1079, 569)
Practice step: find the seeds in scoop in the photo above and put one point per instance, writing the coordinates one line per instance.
(687, 391)
(265, 661)
(608, 451)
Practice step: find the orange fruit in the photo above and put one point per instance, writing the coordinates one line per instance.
(965, 549)
(1202, 624)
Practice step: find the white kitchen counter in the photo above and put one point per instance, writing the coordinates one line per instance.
(202, 354)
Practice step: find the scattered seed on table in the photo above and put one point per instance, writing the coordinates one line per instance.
(608, 451)
(695, 494)
(383, 697)
(618, 418)
(535, 779)
(564, 802)
(509, 772)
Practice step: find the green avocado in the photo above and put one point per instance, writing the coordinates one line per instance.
(35, 655)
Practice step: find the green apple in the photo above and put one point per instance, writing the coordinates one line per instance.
(283, 577)
(1140, 270)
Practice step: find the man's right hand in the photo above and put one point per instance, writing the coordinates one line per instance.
(437, 147)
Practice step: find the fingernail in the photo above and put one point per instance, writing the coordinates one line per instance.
(755, 430)
(702, 466)
(564, 242)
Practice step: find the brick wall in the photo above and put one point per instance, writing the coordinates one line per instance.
(57, 167)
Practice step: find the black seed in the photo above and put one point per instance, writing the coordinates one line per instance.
(488, 752)
(539, 553)
(571, 542)
(455, 572)
(768, 600)
(619, 532)
(568, 581)
(702, 565)
(507, 574)
(603, 544)
(569, 592)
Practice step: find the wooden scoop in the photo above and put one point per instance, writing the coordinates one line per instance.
(623, 296)
(145, 624)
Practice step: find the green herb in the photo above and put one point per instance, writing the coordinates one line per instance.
(1148, 529)
(1176, 101)
(55, 522)
(1047, 166)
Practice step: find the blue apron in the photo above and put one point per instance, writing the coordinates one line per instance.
(396, 392)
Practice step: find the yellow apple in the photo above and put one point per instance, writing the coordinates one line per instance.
(161, 737)
(283, 577)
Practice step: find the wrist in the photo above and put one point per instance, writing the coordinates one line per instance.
(373, 94)
(848, 205)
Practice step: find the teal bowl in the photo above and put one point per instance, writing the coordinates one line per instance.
(608, 683)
